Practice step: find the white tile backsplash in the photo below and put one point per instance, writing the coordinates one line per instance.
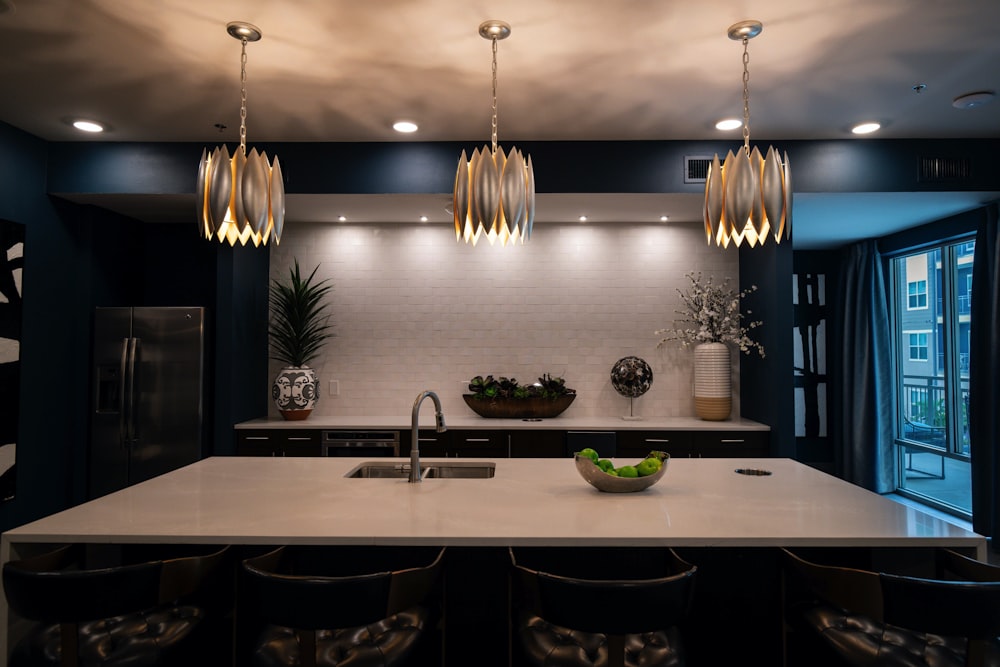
(413, 309)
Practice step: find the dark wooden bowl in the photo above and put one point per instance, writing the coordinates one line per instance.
(518, 408)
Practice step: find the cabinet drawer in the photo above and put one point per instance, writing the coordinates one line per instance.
(278, 442)
(477, 444)
(635, 444)
(432, 443)
(728, 444)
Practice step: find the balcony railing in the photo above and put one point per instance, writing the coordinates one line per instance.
(923, 405)
(964, 305)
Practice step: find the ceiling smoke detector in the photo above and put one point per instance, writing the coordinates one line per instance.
(973, 100)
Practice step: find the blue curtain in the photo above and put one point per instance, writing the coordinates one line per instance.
(984, 378)
(863, 440)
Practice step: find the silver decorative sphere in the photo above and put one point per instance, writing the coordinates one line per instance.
(631, 376)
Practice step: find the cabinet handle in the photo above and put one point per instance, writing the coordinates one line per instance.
(477, 439)
(427, 439)
(256, 437)
(657, 439)
(732, 440)
(306, 439)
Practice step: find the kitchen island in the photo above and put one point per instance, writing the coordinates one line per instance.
(700, 503)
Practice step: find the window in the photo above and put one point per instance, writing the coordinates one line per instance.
(916, 294)
(930, 315)
(918, 346)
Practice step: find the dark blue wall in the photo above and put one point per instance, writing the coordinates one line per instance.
(78, 257)
(54, 349)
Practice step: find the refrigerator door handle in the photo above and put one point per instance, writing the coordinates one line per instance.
(130, 436)
(122, 403)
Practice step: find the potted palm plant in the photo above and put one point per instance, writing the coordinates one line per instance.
(299, 327)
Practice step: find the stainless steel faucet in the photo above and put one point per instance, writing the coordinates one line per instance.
(415, 436)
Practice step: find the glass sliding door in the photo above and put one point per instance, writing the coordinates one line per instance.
(930, 309)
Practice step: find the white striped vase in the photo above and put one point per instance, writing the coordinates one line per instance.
(713, 398)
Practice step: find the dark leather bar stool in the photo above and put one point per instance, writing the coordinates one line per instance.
(863, 617)
(359, 606)
(600, 606)
(156, 612)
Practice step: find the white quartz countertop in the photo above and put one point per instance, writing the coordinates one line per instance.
(475, 422)
(699, 502)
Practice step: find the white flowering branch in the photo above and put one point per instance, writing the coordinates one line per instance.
(712, 315)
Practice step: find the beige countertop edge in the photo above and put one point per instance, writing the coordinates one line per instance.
(473, 422)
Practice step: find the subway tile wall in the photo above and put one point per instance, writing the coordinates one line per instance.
(413, 309)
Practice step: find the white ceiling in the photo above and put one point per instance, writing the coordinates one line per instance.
(333, 70)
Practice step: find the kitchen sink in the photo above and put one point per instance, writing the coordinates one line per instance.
(457, 470)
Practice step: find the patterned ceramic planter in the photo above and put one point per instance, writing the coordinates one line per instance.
(295, 391)
(713, 399)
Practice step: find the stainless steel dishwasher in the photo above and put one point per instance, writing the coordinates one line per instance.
(360, 443)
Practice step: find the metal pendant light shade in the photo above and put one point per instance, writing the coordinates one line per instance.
(241, 197)
(494, 192)
(495, 195)
(748, 197)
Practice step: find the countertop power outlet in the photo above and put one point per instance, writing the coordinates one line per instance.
(334, 388)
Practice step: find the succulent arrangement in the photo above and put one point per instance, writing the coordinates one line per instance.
(503, 387)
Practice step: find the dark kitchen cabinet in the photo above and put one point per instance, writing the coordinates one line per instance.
(695, 444)
(278, 442)
(432, 443)
(457, 443)
(528, 443)
(731, 444)
(636, 444)
(537, 444)
(479, 444)
(482, 443)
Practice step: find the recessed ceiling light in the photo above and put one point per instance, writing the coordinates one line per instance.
(583, 218)
(972, 100)
(664, 218)
(729, 124)
(88, 126)
(342, 218)
(865, 128)
(405, 126)
(423, 218)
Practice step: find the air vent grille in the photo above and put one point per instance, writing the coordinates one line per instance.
(696, 168)
(945, 169)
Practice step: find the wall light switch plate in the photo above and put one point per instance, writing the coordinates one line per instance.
(334, 387)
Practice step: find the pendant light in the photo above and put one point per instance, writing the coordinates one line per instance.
(494, 193)
(240, 197)
(748, 197)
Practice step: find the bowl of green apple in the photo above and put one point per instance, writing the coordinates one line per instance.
(604, 476)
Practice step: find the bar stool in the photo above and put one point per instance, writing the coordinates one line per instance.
(600, 606)
(313, 606)
(156, 612)
(863, 617)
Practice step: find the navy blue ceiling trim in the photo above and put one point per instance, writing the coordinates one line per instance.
(862, 165)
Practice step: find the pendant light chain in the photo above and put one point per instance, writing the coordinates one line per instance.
(746, 96)
(243, 97)
(241, 197)
(494, 40)
(748, 197)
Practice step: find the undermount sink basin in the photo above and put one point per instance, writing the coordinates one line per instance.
(457, 470)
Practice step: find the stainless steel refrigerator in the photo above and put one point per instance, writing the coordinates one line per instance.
(148, 394)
